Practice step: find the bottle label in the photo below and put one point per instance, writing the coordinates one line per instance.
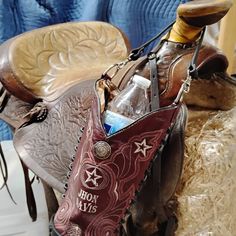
(114, 122)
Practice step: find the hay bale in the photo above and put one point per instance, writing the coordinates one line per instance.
(208, 186)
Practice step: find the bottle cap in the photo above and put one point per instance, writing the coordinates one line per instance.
(141, 81)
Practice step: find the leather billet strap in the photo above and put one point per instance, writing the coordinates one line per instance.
(192, 72)
(155, 100)
(4, 173)
(29, 192)
(3, 168)
(192, 66)
(136, 53)
(4, 96)
(30, 199)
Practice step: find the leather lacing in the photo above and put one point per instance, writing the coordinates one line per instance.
(147, 174)
(37, 114)
(71, 164)
(4, 173)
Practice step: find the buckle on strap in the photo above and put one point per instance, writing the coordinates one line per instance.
(185, 88)
(116, 66)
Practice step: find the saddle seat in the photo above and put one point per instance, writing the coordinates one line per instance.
(43, 63)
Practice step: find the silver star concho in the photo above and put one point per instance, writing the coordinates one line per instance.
(142, 147)
(92, 177)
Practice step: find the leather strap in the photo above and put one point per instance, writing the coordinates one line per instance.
(3, 168)
(4, 96)
(51, 200)
(29, 194)
(155, 100)
(171, 226)
(156, 177)
(4, 172)
(193, 72)
(37, 114)
(136, 53)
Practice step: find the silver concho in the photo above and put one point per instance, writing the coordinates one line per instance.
(102, 150)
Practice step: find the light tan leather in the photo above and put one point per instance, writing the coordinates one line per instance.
(37, 64)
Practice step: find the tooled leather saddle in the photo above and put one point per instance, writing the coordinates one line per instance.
(62, 112)
(41, 77)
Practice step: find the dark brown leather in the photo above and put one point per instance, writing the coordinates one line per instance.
(172, 64)
(47, 147)
(30, 199)
(4, 174)
(102, 185)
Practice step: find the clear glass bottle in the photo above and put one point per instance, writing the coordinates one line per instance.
(129, 105)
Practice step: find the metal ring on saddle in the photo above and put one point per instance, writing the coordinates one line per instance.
(38, 113)
(118, 66)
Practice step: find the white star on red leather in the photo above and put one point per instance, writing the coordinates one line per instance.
(92, 177)
(142, 147)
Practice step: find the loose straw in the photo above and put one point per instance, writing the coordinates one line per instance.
(208, 187)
